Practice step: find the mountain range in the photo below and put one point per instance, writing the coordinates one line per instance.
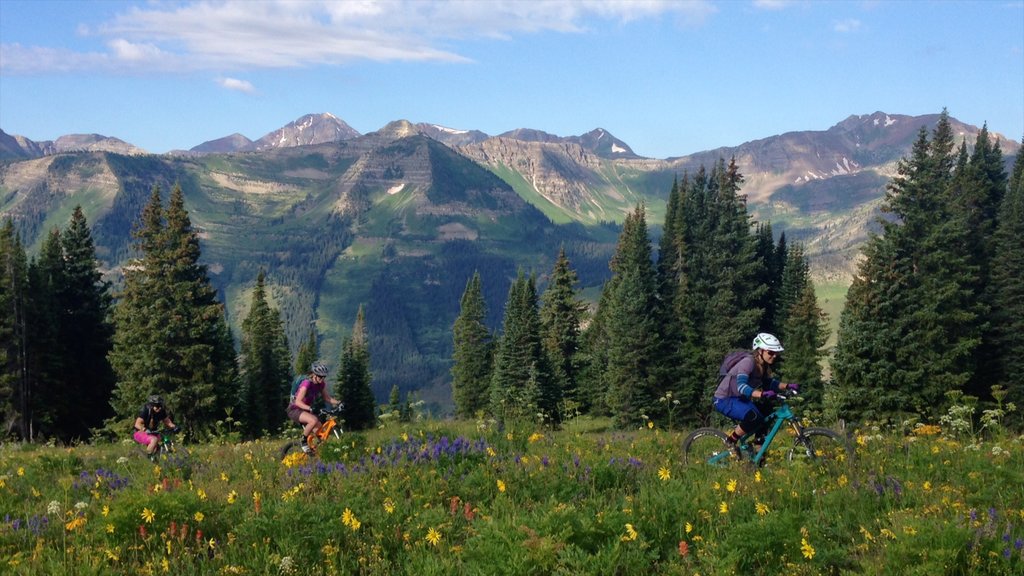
(398, 219)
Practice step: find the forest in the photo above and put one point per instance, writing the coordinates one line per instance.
(932, 318)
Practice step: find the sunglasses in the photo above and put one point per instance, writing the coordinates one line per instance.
(771, 353)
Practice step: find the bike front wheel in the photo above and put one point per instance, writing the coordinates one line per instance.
(823, 448)
(708, 446)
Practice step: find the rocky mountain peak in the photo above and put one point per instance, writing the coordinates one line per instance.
(309, 129)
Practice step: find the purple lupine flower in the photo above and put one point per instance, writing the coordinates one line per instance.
(1018, 544)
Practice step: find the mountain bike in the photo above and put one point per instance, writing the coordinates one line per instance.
(165, 447)
(821, 447)
(330, 425)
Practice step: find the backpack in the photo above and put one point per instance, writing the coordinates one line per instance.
(295, 386)
(731, 359)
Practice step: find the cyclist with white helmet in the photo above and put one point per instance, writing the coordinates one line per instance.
(747, 379)
(300, 410)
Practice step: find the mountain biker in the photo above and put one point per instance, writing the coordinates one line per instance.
(300, 410)
(150, 417)
(750, 378)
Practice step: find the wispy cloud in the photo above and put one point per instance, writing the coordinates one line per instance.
(772, 4)
(847, 26)
(245, 35)
(236, 84)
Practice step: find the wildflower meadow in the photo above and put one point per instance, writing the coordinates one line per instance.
(462, 497)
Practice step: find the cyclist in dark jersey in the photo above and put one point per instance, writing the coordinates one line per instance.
(152, 415)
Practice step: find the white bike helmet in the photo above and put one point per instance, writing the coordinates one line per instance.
(319, 369)
(766, 341)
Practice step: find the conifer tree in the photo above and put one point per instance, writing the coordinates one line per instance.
(86, 330)
(912, 322)
(309, 351)
(806, 332)
(560, 315)
(472, 353)
(634, 377)
(15, 393)
(793, 280)
(44, 358)
(593, 359)
(354, 378)
(171, 336)
(264, 370)
(521, 384)
(1008, 286)
(770, 277)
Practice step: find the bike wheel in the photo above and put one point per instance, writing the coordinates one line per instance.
(823, 448)
(292, 446)
(708, 446)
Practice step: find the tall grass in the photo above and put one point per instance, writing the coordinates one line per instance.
(459, 498)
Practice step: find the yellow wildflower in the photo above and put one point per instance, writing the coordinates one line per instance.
(723, 508)
(501, 486)
(664, 473)
(433, 536)
(148, 515)
(75, 523)
(224, 476)
(630, 534)
(232, 496)
(761, 508)
(21, 470)
(105, 511)
(201, 494)
(806, 549)
(346, 517)
(389, 506)
(731, 486)
(757, 476)
(689, 527)
(198, 516)
(110, 528)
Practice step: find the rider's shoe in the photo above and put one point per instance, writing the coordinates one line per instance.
(306, 449)
(735, 447)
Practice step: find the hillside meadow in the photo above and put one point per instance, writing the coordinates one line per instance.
(462, 497)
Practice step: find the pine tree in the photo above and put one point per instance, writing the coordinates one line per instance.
(912, 322)
(770, 278)
(521, 382)
(1008, 285)
(793, 280)
(593, 359)
(86, 330)
(15, 393)
(472, 353)
(354, 378)
(172, 337)
(806, 332)
(265, 374)
(560, 315)
(308, 353)
(44, 355)
(635, 373)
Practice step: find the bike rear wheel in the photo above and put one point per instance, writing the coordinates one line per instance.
(823, 448)
(708, 446)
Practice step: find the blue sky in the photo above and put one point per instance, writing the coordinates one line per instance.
(669, 78)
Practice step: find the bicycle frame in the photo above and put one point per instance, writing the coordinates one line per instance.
(327, 427)
(778, 418)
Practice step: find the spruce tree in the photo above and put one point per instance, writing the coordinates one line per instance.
(472, 352)
(264, 371)
(309, 351)
(15, 393)
(86, 329)
(522, 386)
(172, 336)
(793, 280)
(560, 315)
(354, 378)
(1008, 286)
(44, 357)
(806, 332)
(634, 377)
(913, 318)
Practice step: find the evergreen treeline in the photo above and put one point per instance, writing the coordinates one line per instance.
(937, 304)
(651, 349)
(935, 308)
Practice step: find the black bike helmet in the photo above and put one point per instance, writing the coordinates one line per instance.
(155, 400)
(319, 369)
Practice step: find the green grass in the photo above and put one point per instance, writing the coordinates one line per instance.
(453, 497)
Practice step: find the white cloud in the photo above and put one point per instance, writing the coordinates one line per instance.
(242, 35)
(847, 26)
(236, 84)
(772, 4)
